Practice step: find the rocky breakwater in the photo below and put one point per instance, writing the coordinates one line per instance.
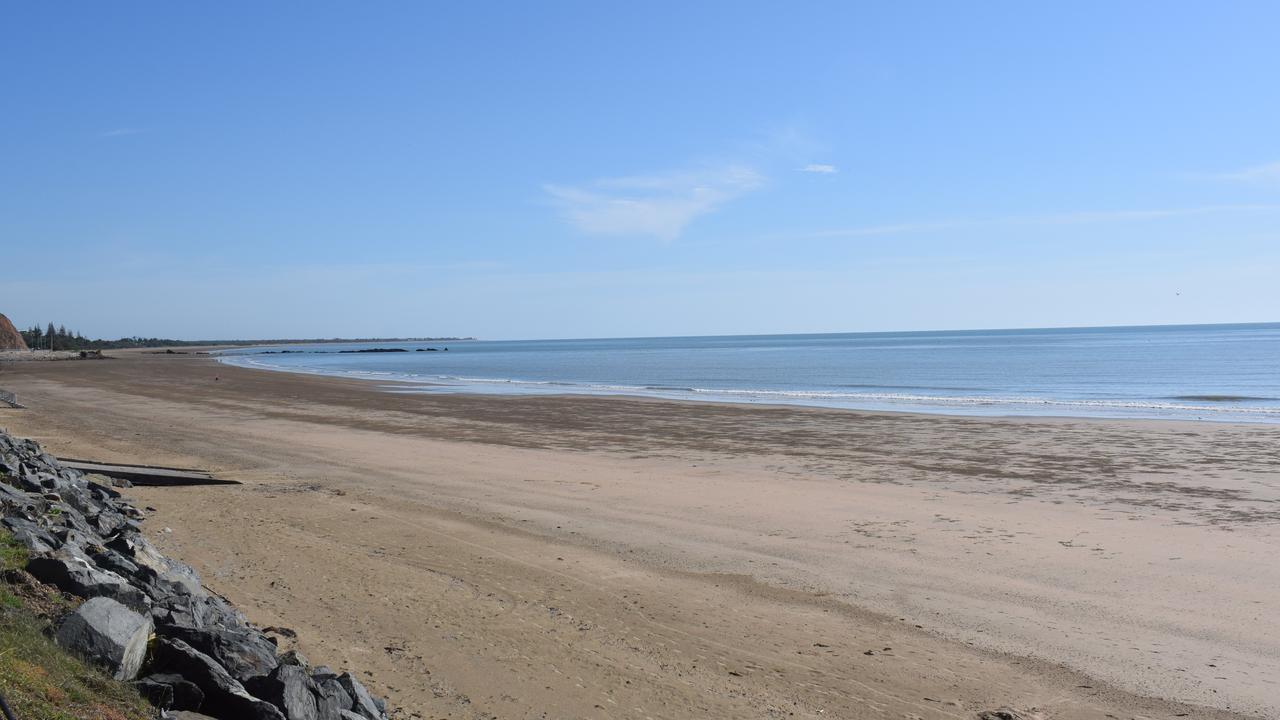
(147, 618)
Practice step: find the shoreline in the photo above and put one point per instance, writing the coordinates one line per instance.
(787, 493)
(970, 407)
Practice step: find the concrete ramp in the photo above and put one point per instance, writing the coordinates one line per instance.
(147, 474)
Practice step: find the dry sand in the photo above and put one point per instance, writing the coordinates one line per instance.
(491, 557)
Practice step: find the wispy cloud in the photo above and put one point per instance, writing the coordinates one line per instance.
(1268, 173)
(820, 168)
(660, 206)
(119, 132)
(1068, 218)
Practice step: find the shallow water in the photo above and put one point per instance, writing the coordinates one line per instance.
(1204, 372)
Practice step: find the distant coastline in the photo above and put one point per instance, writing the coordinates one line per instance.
(70, 343)
(321, 341)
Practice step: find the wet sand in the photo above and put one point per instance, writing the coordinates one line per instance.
(523, 557)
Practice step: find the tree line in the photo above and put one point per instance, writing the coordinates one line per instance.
(52, 338)
(59, 338)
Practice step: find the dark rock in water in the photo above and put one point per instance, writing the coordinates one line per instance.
(244, 653)
(74, 573)
(362, 703)
(224, 697)
(183, 694)
(109, 634)
(289, 688)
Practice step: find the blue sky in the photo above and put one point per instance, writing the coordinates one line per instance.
(518, 170)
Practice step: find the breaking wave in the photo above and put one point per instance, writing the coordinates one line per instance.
(866, 397)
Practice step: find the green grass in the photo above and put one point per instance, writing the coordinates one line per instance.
(12, 553)
(42, 681)
(12, 556)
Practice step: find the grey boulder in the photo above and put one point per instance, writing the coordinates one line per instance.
(195, 611)
(157, 693)
(74, 573)
(11, 497)
(36, 538)
(244, 653)
(289, 688)
(180, 693)
(176, 576)
(109, 634)
(108, 522)
(71, 519)
(331, 699)
(224, 697)
(362, 703)
(116, 563)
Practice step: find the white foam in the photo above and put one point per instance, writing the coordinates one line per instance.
(949, 404)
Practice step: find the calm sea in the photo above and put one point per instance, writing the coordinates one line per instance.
(1205, 372)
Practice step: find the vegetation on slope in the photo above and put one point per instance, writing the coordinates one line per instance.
(40, 680)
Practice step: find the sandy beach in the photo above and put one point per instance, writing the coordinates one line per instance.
(599, 557)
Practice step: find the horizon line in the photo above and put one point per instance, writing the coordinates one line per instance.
(302, 341)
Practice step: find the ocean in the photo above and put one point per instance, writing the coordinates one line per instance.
(1190, 372)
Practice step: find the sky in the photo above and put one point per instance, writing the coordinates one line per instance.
(547, 170)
